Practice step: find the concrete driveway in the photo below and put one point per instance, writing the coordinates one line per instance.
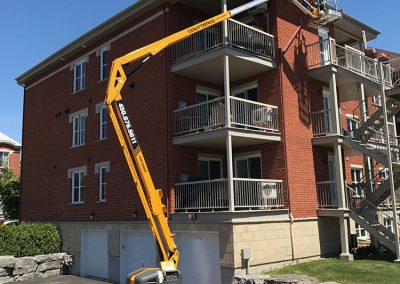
(64, 279)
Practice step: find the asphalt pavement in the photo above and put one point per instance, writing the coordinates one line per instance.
(64, 279)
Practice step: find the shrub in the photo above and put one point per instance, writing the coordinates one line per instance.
(29, 239)
(9, 193)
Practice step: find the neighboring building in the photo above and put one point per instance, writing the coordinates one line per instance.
(276, 176)
(9, 157)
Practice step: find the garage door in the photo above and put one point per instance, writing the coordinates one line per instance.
(137, 249)
(199, 259)
(94, 253)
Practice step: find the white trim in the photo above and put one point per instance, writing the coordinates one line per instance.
(212, 157)
(102, 48)
(97, 167)
(77, 169)
(83, 112)
(244, 87)
(207, 91)
(356, 167)
(99, 106)
(83, 59)
(144, 22)
(247, 156)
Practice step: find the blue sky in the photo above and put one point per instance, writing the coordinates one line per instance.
(33, 30)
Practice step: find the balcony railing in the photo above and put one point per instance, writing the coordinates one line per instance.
(327, 52)
(240, 36)
(327, 194)
(210, 195)
(211, 115)
(321, 123)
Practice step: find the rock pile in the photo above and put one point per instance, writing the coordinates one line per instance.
(40, 266)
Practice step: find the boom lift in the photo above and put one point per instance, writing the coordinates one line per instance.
(149, 195)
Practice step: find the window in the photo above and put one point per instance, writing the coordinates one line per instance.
(4, 159)
(103, 63)
(358, 184)
(78, 120)
(388, 223)
(352, 126)
(210, 168)
(79, 76)
(248, 167)
(248, 92)
(77, 186)
(103, 123)
(102, 169)
(361, 233)
(102, 184)
(205, 94)
(376, 100)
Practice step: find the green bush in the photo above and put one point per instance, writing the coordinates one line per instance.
(29, 239)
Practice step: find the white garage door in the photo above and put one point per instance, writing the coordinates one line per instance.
(137, 249)
(199, 259)
(94, 253)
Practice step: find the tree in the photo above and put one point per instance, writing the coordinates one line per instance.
(9, 193)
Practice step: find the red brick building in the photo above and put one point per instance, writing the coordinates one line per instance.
(270, 177)
(9, 157)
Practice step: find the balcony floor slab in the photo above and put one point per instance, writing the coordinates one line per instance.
(216, 138)
(339, 212)
(208, 66)
(234, 217)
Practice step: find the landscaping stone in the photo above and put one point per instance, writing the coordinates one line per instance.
(26, 276)
(49, 257)
(56, 264)
(4, 280)
(7, 261)
(50, 273)
(3, 272)
(25, 265)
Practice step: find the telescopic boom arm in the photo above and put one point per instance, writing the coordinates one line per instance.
(149, 196)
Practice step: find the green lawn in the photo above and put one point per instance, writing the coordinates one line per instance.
(363, 270)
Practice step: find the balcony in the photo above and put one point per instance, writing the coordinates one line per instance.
(213, 195)
(350, 65)
(251, 52)
(327, 195)
(206, 124)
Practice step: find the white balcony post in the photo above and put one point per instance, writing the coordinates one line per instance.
(389, 159)
(344, 239)
(334, 105)
(227, 83)
(229, 167)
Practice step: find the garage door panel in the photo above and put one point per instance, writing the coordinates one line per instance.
(137, 250)
(94, 253)
(199, 260)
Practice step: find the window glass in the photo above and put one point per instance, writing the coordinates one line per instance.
(203, 169)
(79, 76)
(4, 159)
(102, 184)
(255, 167)
(215, 169)
(103, 123)
(242, 170)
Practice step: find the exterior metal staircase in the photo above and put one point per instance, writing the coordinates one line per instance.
(366, 215)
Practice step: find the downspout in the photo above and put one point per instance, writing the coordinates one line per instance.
(21, 150)
(168, 201)
(282, 54)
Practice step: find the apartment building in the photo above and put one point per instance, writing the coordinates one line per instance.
(9, 157)
(247, 127)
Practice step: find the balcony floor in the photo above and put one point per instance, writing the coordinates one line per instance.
(215, 139)
(209, 66)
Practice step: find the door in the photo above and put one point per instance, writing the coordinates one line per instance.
(94, 253)
(199, 260)
(137, 250)
(327, 110)
(209, 168)
(324, 46)
(248, 167)
(356, 176)
(332, 177)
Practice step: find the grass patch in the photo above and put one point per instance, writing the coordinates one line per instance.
(365, 269)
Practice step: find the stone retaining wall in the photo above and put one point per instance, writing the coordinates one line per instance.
(40, 266)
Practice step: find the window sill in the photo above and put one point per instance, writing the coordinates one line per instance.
(77, 146)
(101, 201)
(103, 80)
(102, 139)
(76, 203)
(77, 92)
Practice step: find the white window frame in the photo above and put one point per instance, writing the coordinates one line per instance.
(78, 128)
(83, 79)
(247, 156)
(103, 114)
(100, 54)
(245, 87)
(73, 173)
(2, 152)
(388, 225)
(208, 158)
(359, 234)
(207, 92)
(101, 169)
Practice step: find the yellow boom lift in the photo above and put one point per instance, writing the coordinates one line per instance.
(150, 196)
